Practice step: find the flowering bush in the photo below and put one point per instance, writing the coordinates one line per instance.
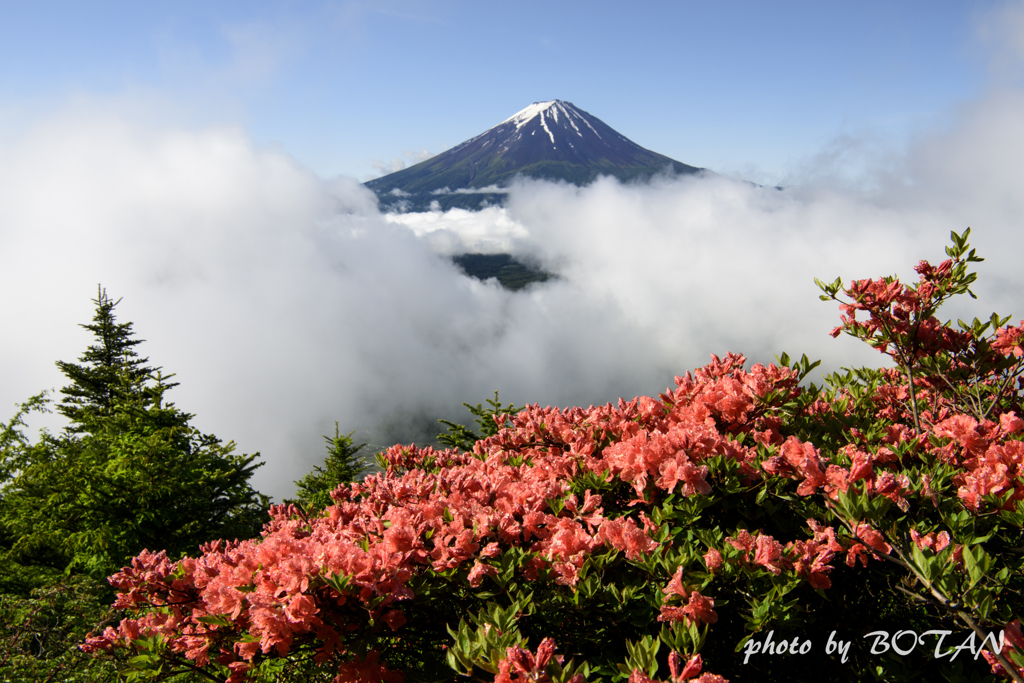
(663, 538)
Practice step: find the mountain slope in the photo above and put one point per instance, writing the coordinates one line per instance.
(551, 140)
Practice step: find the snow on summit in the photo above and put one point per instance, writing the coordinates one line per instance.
(522, 116)
(550, 109)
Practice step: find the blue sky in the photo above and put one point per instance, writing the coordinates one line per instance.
(745, 88)
(203, 161)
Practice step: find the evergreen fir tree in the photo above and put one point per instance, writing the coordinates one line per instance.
(94, 384)
(343, 464)
(128, 473)
(460, 437)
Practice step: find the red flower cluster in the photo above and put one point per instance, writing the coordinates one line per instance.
(897, 312)
(808, 559)
(350, 569)
(991, 463)
(1014, 641)
(680, 673)
(522, 666)
(323, 582)
(698, 608)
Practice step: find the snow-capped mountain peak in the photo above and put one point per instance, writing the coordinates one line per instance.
(554, 140)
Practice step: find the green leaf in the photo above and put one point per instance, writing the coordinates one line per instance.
(215, 620)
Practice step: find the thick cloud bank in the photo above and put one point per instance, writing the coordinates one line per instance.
(284, 302)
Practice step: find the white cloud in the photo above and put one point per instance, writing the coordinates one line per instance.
(284, 302)
(490, 189)
(386, 167)
(417, 157)
(1001, 34)
(399, 163)
(457, 231)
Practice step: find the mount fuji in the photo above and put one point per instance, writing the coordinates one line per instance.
(552, 140)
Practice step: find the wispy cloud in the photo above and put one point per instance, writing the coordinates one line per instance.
(399, 163)
(1001, 35)
(490, 189)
